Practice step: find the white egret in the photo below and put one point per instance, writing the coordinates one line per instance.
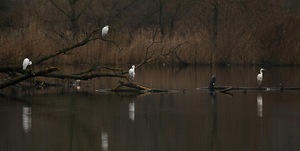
(26, 63)
(105, 30)
(260, 76)
(131, 72)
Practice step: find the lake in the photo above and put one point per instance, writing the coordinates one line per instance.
(187, 119)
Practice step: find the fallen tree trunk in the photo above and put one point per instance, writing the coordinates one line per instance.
(16, 74)
(131, 87)
(26, 76)
(82, 77)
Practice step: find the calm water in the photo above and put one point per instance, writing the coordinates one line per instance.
(190, 119)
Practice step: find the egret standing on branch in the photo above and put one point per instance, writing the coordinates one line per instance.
(105, 30)
(131, 72)
(260, 76)
(26, 63)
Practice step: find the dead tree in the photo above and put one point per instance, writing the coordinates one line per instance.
(15, 74)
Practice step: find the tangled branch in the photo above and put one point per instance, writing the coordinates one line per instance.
(22, 75)
(149, 57)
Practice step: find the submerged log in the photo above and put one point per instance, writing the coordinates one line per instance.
(237, 88)
(131, 87)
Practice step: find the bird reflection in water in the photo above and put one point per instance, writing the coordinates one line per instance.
(26, 118)
(214, 113)
(104, 141)
(131, 111)
(259, 105)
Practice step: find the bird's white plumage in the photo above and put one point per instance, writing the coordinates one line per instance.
(260, 76)
(76, 83)
(131, 72)
(26, 62)
(105, 30)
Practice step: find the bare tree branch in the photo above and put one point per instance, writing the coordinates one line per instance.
(18, 68)
(82, 77)
(170, 51)
(60, 9)
(26, 76)
(65, 50)
(106, 40)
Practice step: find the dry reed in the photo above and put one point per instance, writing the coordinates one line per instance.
(276, 46)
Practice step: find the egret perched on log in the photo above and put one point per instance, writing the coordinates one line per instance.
(131, 72)
(105, 30)
(260, 76)
(26, 63)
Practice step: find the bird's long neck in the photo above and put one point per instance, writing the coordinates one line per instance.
(261, 72)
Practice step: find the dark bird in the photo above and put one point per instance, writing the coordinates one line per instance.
(212, 83)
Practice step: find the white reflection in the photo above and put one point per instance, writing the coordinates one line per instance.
(259, 105)
(104, 141)
(26, 118)
(131, 111)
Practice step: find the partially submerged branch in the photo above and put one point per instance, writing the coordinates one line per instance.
(131, 87)
(21, 75)
(26, 76)
(237, 88)
(82, 77)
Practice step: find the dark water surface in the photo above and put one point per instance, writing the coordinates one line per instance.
(190, 119)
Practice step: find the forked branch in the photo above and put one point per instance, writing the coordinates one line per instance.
(22, 75)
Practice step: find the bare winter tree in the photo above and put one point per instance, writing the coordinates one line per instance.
(15, 74)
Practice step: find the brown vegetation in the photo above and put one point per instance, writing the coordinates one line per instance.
(210, 31)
